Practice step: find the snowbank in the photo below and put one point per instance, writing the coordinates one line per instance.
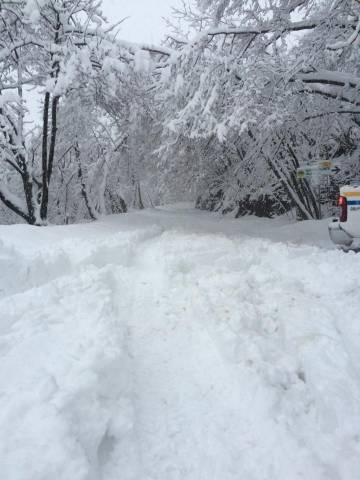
(172, 345)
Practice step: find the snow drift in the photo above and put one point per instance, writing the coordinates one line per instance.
(165, 345)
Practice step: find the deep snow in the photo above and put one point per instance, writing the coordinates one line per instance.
(173, 344)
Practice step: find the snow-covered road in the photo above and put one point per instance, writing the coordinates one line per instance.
(166, 345)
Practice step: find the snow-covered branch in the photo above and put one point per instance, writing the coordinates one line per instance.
(327, 77)
(349, 41)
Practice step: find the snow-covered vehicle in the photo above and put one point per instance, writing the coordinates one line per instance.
(345, 230)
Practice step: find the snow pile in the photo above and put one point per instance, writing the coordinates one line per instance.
(166, 345)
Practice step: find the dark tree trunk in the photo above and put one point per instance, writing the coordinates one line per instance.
(138, 203)
(84, 192)
(44, 159)
(48, 153)
(28, 190)
(52, 137)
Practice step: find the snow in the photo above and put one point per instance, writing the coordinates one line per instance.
(348, 42)
(142, 61)
(175, 344)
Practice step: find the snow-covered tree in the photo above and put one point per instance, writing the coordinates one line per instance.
(55, 46)
(67, 52)
(224, 111)
(261, 77)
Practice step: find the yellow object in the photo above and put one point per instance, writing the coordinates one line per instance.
(326, 164)
(351, 194)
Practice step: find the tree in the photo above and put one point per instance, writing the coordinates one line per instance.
(54, 46)
(242, 81)
(224, 113)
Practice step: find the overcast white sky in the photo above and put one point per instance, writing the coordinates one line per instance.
(145, 23)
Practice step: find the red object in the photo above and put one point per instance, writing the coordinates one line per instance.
(342, 202)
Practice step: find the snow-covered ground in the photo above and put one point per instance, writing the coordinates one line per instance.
(175, 345)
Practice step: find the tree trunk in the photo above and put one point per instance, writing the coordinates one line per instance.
(54, 106)
(44, 159)
(29, 197)
(138, 203)
(92, 212)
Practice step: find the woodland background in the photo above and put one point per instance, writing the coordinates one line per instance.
(222, 113)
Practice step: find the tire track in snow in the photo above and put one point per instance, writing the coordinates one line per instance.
(186, 401)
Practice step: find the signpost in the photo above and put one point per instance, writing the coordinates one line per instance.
(312, 172)
(315, 172)
(325, 164)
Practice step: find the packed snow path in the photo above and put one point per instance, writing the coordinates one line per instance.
(164, 345)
